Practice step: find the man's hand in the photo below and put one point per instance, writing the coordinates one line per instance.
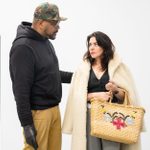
(30, 135)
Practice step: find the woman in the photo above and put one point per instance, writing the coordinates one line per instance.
(100, 72)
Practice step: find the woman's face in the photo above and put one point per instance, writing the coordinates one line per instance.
(94, 49)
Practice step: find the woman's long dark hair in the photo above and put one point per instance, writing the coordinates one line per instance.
(105, 42)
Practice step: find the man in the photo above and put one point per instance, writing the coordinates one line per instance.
(36, 79)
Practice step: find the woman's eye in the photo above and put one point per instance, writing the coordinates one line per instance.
(96, 44)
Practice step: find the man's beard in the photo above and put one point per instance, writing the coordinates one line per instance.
(52, 36)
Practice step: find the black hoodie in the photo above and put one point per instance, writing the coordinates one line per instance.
(35, 74)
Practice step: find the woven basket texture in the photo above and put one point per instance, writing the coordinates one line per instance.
(116, 122)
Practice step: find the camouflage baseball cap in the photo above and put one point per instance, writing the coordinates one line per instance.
(49, 12)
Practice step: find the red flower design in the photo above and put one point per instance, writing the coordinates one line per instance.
(119, 123)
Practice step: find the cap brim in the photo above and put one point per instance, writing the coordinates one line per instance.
(63, 18)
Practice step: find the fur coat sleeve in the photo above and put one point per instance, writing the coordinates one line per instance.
(68, 119)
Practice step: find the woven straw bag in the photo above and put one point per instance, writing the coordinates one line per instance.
(116, 122)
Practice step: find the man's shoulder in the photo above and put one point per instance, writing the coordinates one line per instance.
(20, 47)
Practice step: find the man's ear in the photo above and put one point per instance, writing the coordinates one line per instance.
(41, 24)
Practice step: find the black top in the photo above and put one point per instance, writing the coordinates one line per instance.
(98, 85)
(35, 74)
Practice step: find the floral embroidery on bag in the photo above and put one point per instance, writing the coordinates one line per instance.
(118, 119)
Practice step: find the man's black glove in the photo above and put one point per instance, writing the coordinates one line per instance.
(30, 135)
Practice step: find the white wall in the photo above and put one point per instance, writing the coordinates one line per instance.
(127, 22)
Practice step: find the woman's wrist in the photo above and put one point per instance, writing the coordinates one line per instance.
(119, 93)
(116, 92)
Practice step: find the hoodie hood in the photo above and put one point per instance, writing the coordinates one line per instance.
(24, 30)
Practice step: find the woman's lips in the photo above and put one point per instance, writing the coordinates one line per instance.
(92, 53)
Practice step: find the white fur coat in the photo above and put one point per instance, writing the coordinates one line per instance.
(75, 115)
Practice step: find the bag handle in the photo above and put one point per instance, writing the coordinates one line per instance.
(125, 102)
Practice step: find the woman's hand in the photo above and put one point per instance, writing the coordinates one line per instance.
(112, 86)
(118, 92)
(104, 96)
